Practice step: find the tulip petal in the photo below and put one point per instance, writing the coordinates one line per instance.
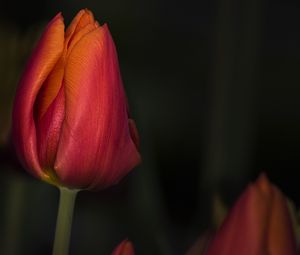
(244, 230)
(82, 24)
(280, 234)
(281, 238)
(134, 133)
(83, 18)
(94, 149)
(124, 248)
(262, 183)
(49, 91)
(81, 33)
(42, 61)
(48, 133)
(258, 224)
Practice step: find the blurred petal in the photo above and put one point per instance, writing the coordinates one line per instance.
(134, 133)
(244, 229)
(124, 248)
(200, 245)
(263, 184)
(258, 224)
(101, 141)
(281, 238)
(42, 61)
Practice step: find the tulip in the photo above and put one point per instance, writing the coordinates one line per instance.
(124, 248)
(258, 224)
(199, 247)
(71, 125)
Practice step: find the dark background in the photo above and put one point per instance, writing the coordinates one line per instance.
(214, 88)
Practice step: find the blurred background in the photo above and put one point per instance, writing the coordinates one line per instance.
(214, 88)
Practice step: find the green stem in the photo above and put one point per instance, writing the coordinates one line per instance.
(64, 221)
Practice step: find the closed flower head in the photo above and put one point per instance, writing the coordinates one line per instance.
(258, 224)
(71, 125)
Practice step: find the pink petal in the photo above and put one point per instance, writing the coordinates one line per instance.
(245, 228)
(124, 248)
(281, 238)
(134, 133)
(42, 61)
(48, 134)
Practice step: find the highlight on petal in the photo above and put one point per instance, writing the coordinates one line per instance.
(42, 61)
(124, 248)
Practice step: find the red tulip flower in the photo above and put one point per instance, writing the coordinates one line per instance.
(71, 125)
(124, 248)
(258, 224)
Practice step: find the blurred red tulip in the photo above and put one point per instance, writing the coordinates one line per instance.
(124, 248)
(258, 224)
(199, 247)
(71, 125)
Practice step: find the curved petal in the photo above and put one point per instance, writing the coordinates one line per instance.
(81, 33)
(83, 18)
(124, 248)
(134, 133)
(48, 132)
(244, 230)
(263, 184)
(280, 234)
(95, 148)
(50, 89)
(281, 238)
(42, 61)
(82, 24)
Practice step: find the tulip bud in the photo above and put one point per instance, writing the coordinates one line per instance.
(71, 125)
(199, 247)
(258, 224)
(124, 248)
